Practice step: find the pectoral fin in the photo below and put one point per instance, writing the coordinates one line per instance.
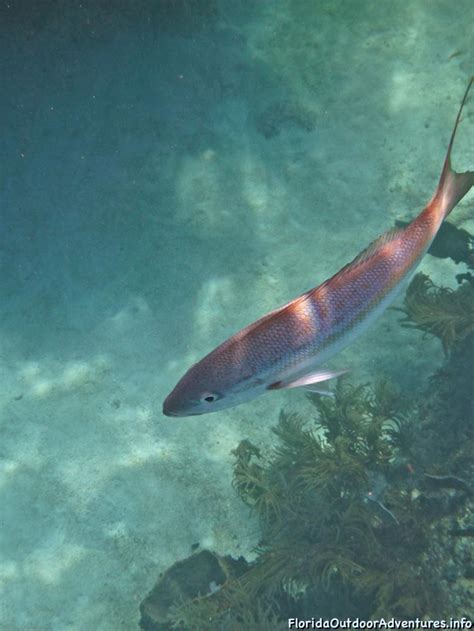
(308, 381)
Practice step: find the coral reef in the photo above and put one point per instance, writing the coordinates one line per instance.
(366, 510)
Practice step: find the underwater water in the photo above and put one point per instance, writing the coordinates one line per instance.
(171, 171)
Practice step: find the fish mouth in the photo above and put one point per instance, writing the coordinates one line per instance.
(166, 408)
(175, 414)
(178, 415)
(169, 407)
(168, 413)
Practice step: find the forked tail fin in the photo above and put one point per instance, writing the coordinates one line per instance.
(453, 186)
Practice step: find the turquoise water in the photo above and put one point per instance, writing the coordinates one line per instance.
(170, 172)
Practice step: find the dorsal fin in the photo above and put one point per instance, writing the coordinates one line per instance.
(379, 242)
(365, 255)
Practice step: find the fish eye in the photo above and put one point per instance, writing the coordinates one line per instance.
(209, 397)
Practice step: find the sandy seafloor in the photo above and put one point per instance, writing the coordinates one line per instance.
(145, 217)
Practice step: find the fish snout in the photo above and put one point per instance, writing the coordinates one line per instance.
(167, 412)
(176, 406)
(169, 406)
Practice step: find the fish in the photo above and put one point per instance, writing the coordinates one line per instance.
(286, 347)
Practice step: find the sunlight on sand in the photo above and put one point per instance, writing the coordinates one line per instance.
(137, 308)
(401, 93)
(8, 468)
(52, 377)
(215, 295)
(55, 557)
(199, 191)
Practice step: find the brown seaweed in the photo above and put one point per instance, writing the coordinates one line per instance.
(446, 313)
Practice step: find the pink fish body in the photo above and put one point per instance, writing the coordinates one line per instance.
(284, 348)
